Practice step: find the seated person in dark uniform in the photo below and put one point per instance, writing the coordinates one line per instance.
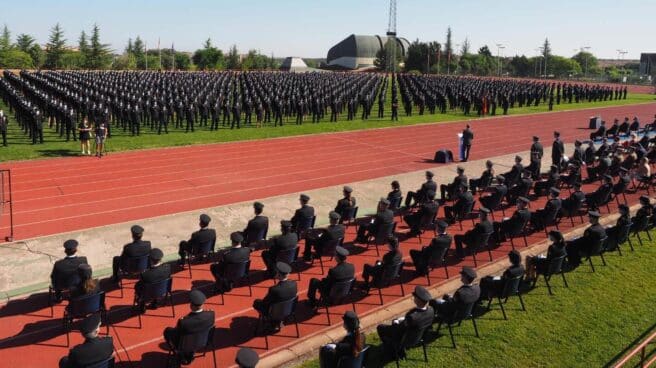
(521, 189)
(67, 267)
(384, 217)
(464, 200)
(515, 224)
(447, 191)
(590, 154)
(515, 172)
(346, 204)
(350, 346)
(582, 245)
(284, 290)
(419, 317)
(427, 210)
(497, 193)
(419, 194)
(202, 236)
(471, 236)
(578, 157)
(466, 294)
(635, 125)
(603, 164)
(246, 358)
(317, 238)
(644, 213)
(572, 175)
(602, 195)
(551, 209)
(157, 272)
(285, 241)
(343, 271)
(624, 127)
(138, 248)
(552, 179)
(371, 273)
(196, 321)
(574, 201)
(395, 194)
(600, 132)
(88, 285)
(623, 223)
(623, 183)
(442, 242)
(93, 350)
(303, 215)
(613, 130)
(235, 254)
(492, 287)
(257, 226)
(484, 180)
(538, 265)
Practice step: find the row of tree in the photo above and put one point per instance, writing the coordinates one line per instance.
(91, 53)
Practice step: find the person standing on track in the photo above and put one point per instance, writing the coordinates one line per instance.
(85, 135)
(557, 150)
(100, 130)
(467, 138)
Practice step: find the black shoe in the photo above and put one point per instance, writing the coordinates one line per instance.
(153, 305)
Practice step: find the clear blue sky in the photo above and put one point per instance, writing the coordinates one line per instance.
(309, 28)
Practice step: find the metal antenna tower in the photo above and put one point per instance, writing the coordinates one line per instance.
(391, 37)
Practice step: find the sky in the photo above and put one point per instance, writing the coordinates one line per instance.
(308, 28)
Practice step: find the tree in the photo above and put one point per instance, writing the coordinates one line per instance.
(422, 56)
(485, 51)
(588, 62)
(448, 58)
(520, 66)
(129, 49)
(83, 47)
(232, 61)
(209, 57)
(99, 53)
(546, 54)
(27, 44)
(55, 47)
(138, 49)
(563, 67)
(381, 60)
(5, 39)
(15, 59)
(466, 46)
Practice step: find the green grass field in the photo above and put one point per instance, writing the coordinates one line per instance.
(20, 147)
(588, 325)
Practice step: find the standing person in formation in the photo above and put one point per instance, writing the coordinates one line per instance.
(467, 138)
(85, 136)
(3, 128)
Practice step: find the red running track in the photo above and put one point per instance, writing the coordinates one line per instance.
(59, 195)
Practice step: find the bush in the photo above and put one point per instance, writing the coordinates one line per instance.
(15, 59)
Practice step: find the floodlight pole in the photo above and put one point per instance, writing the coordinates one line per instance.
(391, 37)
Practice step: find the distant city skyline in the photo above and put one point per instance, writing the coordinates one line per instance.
(309, 29)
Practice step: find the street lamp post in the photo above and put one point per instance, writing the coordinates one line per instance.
(499, 67)
(587, 56)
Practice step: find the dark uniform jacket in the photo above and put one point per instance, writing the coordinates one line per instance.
(513, 271)
(284, 290)
(536, 152)
(557, 150)
(236, 255)
(437, 246)
(331, 233)
(156, 274)
(305, 212)
(594, 233)
(195, 322)
(345, 346)
(137, 248)
(66, 267)
(467, 137)
(392, 257)
(91, 351)
(342, 272)
(518, 220)
(382, 218)
(202, 236)
(460, 181)
(464, 201)
(256, 226)
(480, 229)
(467, 294)
(429, 185)
(344, 205)
(283, 242)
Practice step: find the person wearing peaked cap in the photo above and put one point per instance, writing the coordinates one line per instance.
(343, 271)
(394, 196)
(522, 187)
(93, 350)
(537, 151)
(623, 183)
(590, 243)
(257, 228)
(433, 254)
(286, 241)
(622, 226)
(236, 254)
(247, 358)
(602, 195)
(205, 235)
(467, 139)
(547, 215)
(65, 271)
(514, 225)
(196, 321)
(372, 273)
(137, 248)
(317, 239)
(346, 207)
(285, 289)
(381, 222)
(485, 179)
(643, 217)
(512, 176)
(419, 195)
(448, 191)
(466, 294)
(495, 193)
(602, 167)
(472, 236)
(464, 202)
(303, 218)
(557, 150)
(350, 346)
(579, 154)
(424, 215)
(418, 318)
(552, 180)
(572, 204)
(492, 287)
(157, 272)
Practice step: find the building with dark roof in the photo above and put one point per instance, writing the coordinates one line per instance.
(648, 63)
(359, 51)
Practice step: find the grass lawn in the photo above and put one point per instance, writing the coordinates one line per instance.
(588, 325)
(20, 147)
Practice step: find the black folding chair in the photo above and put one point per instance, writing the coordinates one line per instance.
(597, 249)
(339, 291)
(510, 288)
(154, 291)
(328, 250)
(133, 266)
(192, 344)
(303, 225)
(395, 205)
(464, 213)
(623, 236)
(63, 284)
(389, 274)
(553, 267)
(348, 361)
(479, 242)
(253, 239)
(435, 260)
(290, 256)
(279, 312)
(462, 313)
(412, 338)
(382, 236)
(107, 363)
(520, 231)
(199, 252)
(427, 222)
(82, 307)
(641, 225)
(349, 216)
(234, 273)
